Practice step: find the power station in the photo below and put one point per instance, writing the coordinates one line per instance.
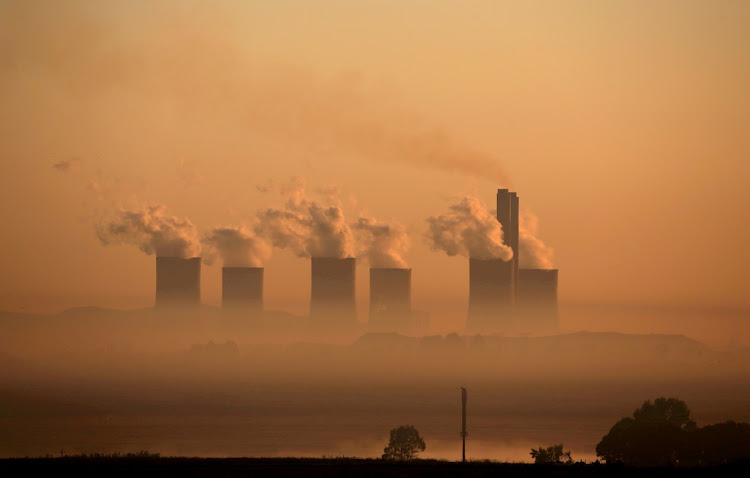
(502, 296)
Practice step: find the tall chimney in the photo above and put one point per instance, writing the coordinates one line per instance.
(178, 281)
(390, 298)
(507, 215)
(242, 288)
(491, 292)
(536, 299)
(332, 297)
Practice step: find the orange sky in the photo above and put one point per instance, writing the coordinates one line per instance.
(623, 125)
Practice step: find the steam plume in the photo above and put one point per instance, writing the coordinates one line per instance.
(383, 244)
(152, 230)
(470, 230)
(236, 245)
(533, 253)
(305, 227)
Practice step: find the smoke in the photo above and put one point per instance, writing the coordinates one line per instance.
(152, 230)
(382, 244)
(163, 54)
(470, 230)
(306, 227)
(236, 245)
(67, 166)
(533, 253)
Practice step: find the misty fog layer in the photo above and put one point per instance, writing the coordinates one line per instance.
(215, 383)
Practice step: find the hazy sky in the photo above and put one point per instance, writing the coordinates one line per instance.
(623, 125)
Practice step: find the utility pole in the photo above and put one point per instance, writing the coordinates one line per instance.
(463, 425)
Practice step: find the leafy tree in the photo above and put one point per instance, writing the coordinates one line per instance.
(405, 443)
(656, 434)
(722, 443)
(665, 410)
(551, 455)
(662, 433)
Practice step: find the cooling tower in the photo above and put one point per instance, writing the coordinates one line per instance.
(242, 288)
(536, 299)
(491, 293)
(514, 234)
(178, 281)
(332, 299)
(390, 299)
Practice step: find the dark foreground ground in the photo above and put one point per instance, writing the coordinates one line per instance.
(330, 468)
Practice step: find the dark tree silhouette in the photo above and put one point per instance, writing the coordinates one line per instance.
(724, 442)
(404, 445)
(656, 435)
(665, 410)
(551, 454)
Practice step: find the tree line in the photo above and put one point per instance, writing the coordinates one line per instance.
(660, 433)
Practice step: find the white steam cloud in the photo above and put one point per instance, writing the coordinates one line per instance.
(382, 244)
(152, 230)
(306, 227)
(532, 252)
(469, 229)
(237, 246)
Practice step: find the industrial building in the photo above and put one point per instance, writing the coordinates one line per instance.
(242, 289)
(178, 282)
(491, 295)
(390, 299)
(332, 296)
(536, 299)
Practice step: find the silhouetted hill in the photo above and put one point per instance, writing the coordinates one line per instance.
(173, 342)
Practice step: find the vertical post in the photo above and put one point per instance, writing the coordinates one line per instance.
(463, 425)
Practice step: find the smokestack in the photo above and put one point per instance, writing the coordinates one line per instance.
(178, 281)
(536, 298)
(242, 288)
(390, 298)
(332, 297)
(491, 292)
(507, 215)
